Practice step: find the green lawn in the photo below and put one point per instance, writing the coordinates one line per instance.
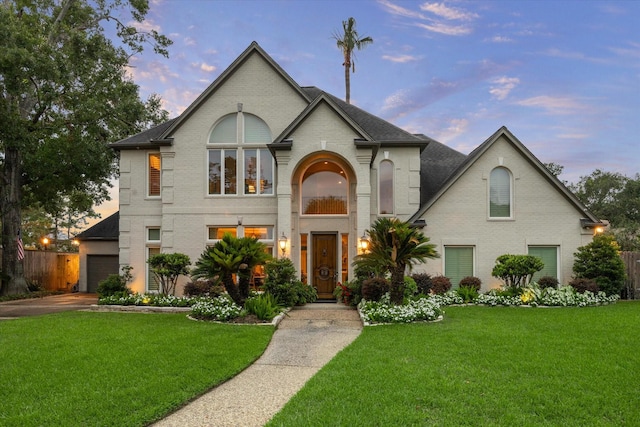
(483, 366)
(119, 369)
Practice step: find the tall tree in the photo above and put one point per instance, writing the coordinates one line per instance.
(347, 41)
(64, 94)
(393, 246)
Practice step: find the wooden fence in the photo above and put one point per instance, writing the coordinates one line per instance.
(54, 271)
(632, 282)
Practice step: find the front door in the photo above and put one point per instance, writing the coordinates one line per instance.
(324, 264)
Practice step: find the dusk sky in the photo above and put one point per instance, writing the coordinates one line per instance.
(563, 76)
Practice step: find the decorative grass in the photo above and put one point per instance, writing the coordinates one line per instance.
(115, 369)
(483, 366)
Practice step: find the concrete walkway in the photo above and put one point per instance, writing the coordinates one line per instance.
(306, 339)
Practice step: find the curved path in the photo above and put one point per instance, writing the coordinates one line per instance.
(305, 341)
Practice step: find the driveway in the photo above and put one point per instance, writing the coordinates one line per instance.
(46, 305)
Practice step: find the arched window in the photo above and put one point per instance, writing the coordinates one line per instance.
(241, 136)
(385, 187)
(500, 193)
(324, 190)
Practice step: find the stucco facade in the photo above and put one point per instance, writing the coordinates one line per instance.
(309, 142)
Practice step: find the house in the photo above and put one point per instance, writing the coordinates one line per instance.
(258, 155)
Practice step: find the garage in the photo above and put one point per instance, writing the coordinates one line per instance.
(99, 267)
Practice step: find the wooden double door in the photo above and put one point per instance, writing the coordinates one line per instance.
(324, 263)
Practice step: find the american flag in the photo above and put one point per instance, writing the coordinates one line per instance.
(20, 246)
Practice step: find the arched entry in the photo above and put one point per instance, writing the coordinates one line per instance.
(323, 206)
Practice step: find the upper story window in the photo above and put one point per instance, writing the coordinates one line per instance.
(500, 193)
(240, 136)
(324, 190)
(385, 187)
(153, 177)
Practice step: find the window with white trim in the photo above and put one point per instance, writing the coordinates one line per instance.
(500, 193)
(240, 141)
(152, 248)
(154, 164)
(385, 187)
(549, 256)
(458, 263)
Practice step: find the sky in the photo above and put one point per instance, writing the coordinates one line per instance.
(563, 76)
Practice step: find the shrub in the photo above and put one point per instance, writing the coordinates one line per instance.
(516, 270)
(349, 293)
(281, 282)
(467, 293)
(600, 261)
(410, 287)
(264, 307)
(203, 288)
(167, 268)
(423, 281)
(373, 289)
(440, 285)
(581, 285)
(471, 282)
(114, 284)
(548, 282)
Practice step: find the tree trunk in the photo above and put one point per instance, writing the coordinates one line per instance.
(232, 289)
(13, 281)
(396, 293)
(347, 82)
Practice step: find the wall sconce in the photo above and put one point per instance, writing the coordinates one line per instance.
(282, 242)
(239, 220)
(45, 243)
(598, 230)
(363, 243)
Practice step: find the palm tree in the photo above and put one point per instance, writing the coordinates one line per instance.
(231, 256)
(347, 41)
(393, 246)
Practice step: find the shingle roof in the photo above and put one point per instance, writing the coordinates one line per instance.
(437, 163)
(107, 229)
(379, 129)
(145, 138)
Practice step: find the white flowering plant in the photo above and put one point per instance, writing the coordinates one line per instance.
(222, 308)
(421, 309)
(154, 300)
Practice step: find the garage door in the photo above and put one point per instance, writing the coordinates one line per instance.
(98, 268)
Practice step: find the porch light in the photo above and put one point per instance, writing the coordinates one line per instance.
(282, 242)
(598, 230)
(363, 243)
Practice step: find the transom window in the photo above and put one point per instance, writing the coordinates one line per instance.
(324, 190)
(240, 138)
(500, 193)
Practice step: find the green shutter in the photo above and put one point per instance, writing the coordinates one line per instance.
(458, 263)
(549, 255)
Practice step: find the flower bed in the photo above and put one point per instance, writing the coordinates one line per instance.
(154, 300)
(423, 309)
(429, 308)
